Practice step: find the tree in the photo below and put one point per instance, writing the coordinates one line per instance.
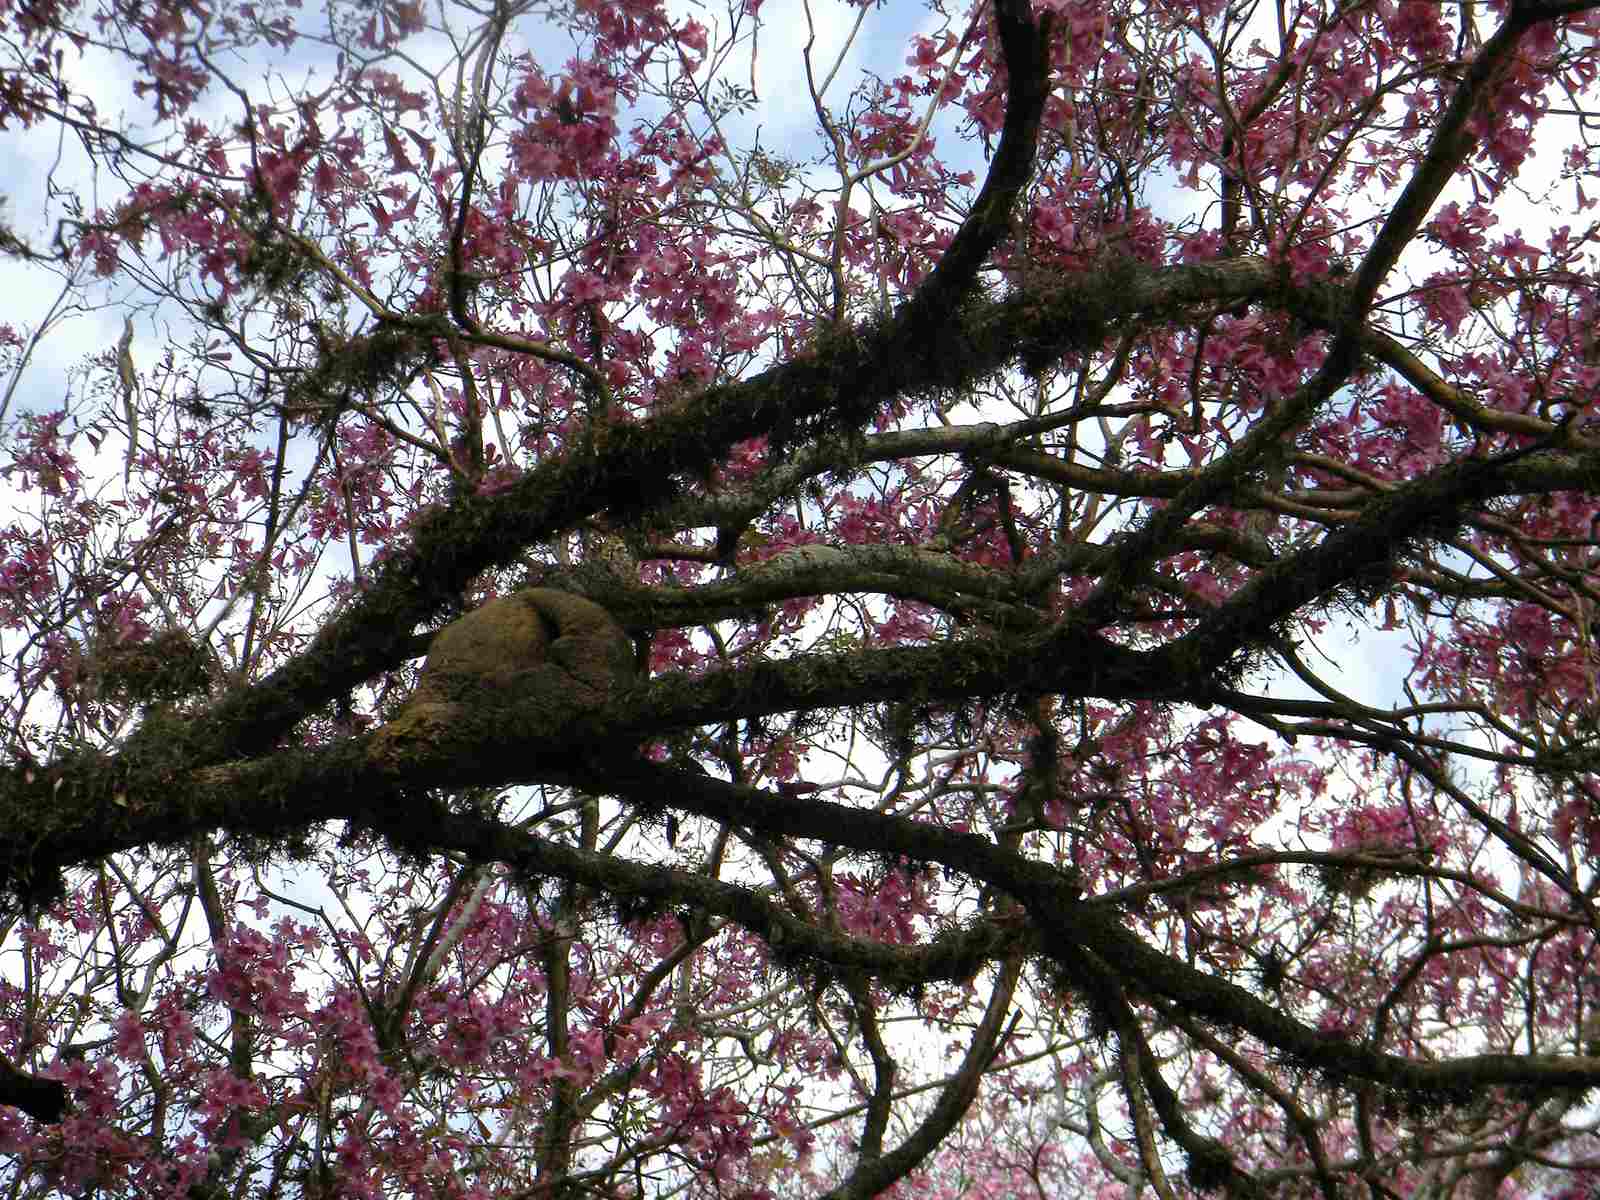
(996, 463)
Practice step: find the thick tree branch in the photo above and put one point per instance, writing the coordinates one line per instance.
(1365, 553)
(955, 955)
(1453, 140)
(626, 467)
(1072, 925)
(1069, 925)
(76, 811)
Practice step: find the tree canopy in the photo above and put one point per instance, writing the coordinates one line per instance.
(1096, 511)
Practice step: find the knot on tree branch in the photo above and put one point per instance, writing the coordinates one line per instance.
(566, 652)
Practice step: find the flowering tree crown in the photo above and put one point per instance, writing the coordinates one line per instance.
(1019, 586)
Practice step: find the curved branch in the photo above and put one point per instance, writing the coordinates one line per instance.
(1072, 925)
(955, 1097)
